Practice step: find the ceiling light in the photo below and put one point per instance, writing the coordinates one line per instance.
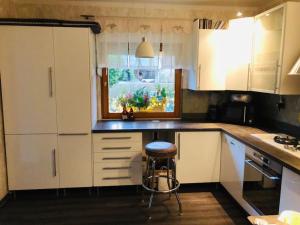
(239, 14)
(144, 50)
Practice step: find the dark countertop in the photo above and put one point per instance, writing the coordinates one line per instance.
(241, 133)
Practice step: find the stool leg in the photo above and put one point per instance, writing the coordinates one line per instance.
(176, 194)
(168, 175)
(152, 182)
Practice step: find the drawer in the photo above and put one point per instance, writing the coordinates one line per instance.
(117, 174)
(103, 157)
(117, 147)
(116, 138)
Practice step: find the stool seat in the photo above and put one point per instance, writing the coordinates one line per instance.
(161, 149)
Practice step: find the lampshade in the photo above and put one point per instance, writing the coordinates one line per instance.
(144, 50)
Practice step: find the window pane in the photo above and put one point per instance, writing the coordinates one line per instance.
(145, 90)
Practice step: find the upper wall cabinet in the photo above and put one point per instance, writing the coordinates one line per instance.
(209, 67)
(28, 91)
(276, 48)
(72, 77)
(240, 33)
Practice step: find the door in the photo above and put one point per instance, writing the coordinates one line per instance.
(27, 78)
(266, 63)
(232, 166)
(75, 157)
(32, 161)
(290, 193)
(212, 65)
(198, 157)
(72, 69)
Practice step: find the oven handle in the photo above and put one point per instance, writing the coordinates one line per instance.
(261, 170)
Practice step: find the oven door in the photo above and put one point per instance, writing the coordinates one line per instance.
(261, 188)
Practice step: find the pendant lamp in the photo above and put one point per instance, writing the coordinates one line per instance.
(144, 49)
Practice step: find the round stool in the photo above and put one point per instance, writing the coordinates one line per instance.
(158, 151)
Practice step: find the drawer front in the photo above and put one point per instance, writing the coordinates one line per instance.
(104, 157)
(98, 139)
(116, 174)
(117, 146)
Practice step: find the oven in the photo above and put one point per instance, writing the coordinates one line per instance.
(262, 182)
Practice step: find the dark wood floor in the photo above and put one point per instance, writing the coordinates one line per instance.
(121, 207)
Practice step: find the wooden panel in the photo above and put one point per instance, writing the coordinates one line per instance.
(72, 76)
(198, 157)
(32, 161)
(119, 173)
(28, 88)
(75, 157)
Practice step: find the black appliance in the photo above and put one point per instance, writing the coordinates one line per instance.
(262, 182)
(239, 110)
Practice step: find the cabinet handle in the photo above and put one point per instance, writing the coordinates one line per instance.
(249, 77)
(179, 153)
(115, 138)
(116, 148)
(199, 74)
(232, 143)
(116, 178)
(54, 162)
(115, 158)
(50, 82)
(116, 168)
(276, 77)
(72, 134)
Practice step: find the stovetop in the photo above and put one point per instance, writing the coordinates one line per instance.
(281, 141)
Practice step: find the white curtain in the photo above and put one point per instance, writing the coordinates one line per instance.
(117, 42)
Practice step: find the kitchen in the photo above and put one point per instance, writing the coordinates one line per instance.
(219, 82)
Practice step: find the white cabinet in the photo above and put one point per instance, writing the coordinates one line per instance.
(46, 84)
(75, 160)
(27, 78)
(290, 192)
(232, 170)
(275, 50)
(72, 77)
(240, 33)
(209, 55)
(198, 157)
(232, 166)
(117, 159)
(32, 161)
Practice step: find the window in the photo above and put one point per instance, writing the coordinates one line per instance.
(151, 93)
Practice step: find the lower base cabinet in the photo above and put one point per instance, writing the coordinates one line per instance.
(75, 160)
(32, 161)
(232, 170)
(198, 156)
(290, 191)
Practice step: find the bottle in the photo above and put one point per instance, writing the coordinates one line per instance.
(131, 117)
(124, 114)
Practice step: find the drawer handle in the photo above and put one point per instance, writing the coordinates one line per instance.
(116, 148)
(116, 168)
(115, 158)
(115, 178)
(116, 138)
(232, 143)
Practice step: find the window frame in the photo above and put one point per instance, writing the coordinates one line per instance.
(140, 115)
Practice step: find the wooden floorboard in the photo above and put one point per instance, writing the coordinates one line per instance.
(119, 207)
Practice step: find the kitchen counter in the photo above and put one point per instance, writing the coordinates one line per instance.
(241, 133)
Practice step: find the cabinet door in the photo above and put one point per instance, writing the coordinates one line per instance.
(268, 36)
(240, 33)
(198, 157)
(75, 157)
(212, 66)
(232, 166)
(290, 193)
(72, 77)
(28, 88)
(32, 161)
